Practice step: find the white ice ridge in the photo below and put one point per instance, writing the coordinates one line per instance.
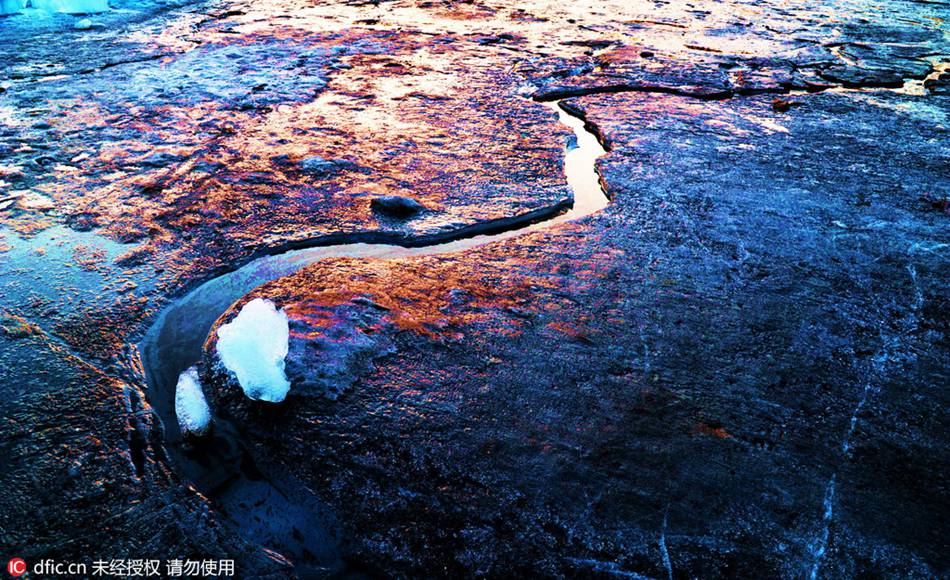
(194, 416)
(64, 6)
(253, 347)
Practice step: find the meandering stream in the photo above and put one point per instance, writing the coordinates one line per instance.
(274, 511)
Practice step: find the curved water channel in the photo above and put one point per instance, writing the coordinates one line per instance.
(276, 512)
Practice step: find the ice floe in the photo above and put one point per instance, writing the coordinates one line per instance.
(253, 346)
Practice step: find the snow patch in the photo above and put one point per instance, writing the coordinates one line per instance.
(253, 347)
(194, 415)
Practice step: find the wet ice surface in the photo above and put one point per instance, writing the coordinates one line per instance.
(769, 282)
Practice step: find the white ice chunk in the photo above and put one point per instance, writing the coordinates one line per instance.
(11, 6)
(194, 416)
(71, 6)
(253, 346)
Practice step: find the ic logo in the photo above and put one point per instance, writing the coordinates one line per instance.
(16, 567)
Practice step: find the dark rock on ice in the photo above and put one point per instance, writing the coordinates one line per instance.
(396, 206)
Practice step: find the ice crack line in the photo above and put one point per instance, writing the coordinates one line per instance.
(914, 86)
(820, 545)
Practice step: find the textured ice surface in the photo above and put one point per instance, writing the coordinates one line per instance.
(194, 416)
(253, 346)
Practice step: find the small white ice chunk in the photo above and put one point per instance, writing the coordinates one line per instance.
(253, 347)
(194, 416)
